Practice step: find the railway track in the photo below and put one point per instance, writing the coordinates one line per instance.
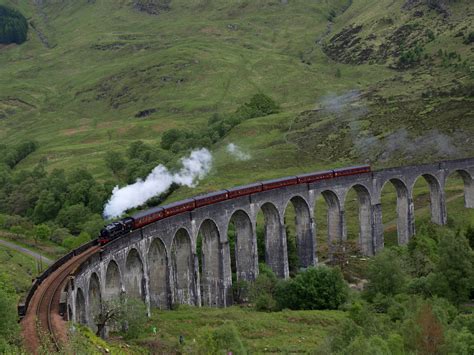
(42, 317)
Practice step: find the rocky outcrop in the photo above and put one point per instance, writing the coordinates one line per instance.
(152, 7)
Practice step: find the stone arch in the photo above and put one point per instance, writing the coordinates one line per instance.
(405, 221)
(366, 242)
(275, 241)
(158, 274)
(134, 276)
(211, 266)
(80, 307)
(468, 186)
(437, 201)
(113, 283)
(183, 268)
(245, 246)
(95, 300)
(335, 220)
(305, 241)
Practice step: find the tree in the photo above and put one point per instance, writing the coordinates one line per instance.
(42, 232)
(385, 275)
(73, 217)
(431, 335)
(314, 288)
(114, 162)
(46, 208)
(454, 273)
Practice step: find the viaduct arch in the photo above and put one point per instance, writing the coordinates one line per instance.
(185, 259)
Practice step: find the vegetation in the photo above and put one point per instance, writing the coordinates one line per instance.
(13, 26)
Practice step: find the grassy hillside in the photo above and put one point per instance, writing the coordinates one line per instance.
(95, 76)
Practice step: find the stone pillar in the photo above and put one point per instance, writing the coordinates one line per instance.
(336, 229)
(285, 269)
(226, 277)
(468, 192)
(410, 222)
(438, 206)
(377, 228)
(306, 242)
(197, 282)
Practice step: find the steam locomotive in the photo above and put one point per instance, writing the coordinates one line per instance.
(125, 225)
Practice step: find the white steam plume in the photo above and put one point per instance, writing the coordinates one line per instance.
(236, 152)
(195, 167)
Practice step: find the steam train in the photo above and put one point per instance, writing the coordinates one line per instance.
(125, 225)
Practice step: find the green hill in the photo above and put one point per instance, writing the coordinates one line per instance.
(385, 82)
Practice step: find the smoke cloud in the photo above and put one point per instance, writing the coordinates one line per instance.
(194, 168)
(236, 152)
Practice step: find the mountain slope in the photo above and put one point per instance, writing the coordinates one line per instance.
(356, 81)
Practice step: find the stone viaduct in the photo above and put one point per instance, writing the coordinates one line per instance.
(159, 264)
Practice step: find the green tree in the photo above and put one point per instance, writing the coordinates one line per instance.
(73, 217)
(385, 275)
(42, 232)
(314, 288)
(454, 274)
(46, 208)
(115, 162)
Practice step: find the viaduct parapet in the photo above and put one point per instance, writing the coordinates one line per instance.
(159, 263)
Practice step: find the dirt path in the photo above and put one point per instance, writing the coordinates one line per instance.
(26, 251)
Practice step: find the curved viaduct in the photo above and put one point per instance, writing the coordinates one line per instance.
(159, 264)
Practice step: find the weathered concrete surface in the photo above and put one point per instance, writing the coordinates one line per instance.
(159, 263)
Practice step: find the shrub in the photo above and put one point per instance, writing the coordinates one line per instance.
(315, 288)
(385, 275)
(223, 340)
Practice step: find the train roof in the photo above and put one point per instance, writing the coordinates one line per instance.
(255, 184)
(352, 168)
(279, 179)
(147, 212)
(316, 173)
(178, 203)
(211, 194)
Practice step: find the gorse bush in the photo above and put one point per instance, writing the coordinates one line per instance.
(13, 26)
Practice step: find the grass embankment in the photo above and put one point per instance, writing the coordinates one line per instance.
(285, 332)
(17, 269)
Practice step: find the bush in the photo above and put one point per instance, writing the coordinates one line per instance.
(315, 288)
(454, 274)
(223, 340)
(263, 289)
(385, 275)
(13, 26)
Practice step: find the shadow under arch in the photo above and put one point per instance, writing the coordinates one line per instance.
(365, 242)
(211, 264)
(404, 210)
(80, 307)
(244, 254)
(182, 262)
(95, 300)
(133, 276)
(158, 275)
(275, 241)
(113, 283)
(305, 241)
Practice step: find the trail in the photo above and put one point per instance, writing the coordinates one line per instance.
(28, 252)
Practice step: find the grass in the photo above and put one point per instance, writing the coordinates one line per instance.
(286, 331)
(18, 269)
